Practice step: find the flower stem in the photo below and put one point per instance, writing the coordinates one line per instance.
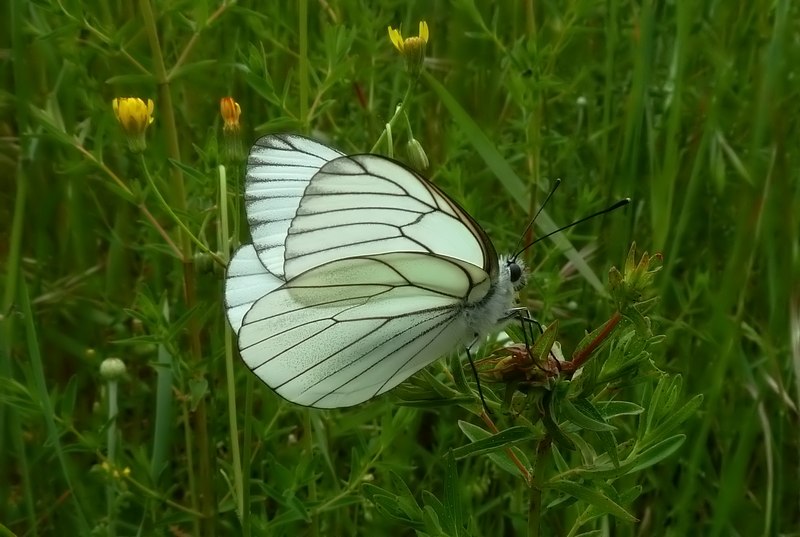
(580, 358)
(179, 201)
(111, 446)
(399, 111)
(535, 498)
(229, 374)
(303, 67)
(312, 485)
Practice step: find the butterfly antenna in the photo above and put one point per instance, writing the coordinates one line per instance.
(614, 207)
(522, 237)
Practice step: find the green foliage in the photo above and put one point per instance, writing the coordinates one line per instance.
(676, 409)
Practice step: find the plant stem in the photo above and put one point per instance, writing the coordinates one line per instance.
(585, 353)
(398, 112)
(229, 373)
(535, 498)
(248, 435)
(111, 446)
(179, 201)
(312, 486)
(303, 67)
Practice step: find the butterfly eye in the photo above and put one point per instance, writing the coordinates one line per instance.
(515, 271)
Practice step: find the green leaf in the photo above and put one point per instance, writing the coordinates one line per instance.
(675, 419)
(493, 442)
(657, 453)
(592, 497)
(474, 433)
(544, 344)
(561, 463)
(626, 497)
(595, 334)
(550, 424)
(198, 388)
(442, 518)
(393, 506)
(188, 68)
(431, 521)
(296, 504)
(131, 80)
(452, 494)
(405, 498)
(584, 415)
(609, 444)
(188, 170)
(68, 398)
(459, 378)
(612, 409)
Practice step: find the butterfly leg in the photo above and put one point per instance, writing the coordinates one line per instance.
(475, 374)
(527, 320)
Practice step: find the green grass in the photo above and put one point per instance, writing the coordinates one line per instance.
(689, 108)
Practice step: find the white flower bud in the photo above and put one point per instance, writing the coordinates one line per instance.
(416, 155)
(112, 369)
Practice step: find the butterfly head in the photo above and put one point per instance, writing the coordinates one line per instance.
(515, 271)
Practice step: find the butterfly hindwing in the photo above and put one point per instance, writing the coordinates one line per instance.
(354, 328)
(246, 282)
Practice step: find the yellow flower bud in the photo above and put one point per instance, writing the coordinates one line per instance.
(232, 141)
(134, 116)
(230, 111)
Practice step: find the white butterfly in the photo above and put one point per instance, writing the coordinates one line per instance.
(361, 273)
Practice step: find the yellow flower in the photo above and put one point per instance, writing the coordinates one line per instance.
(230, 111)
(412, 48)
(134, 116)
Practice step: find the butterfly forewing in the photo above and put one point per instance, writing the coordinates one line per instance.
(367, 204)
(354, 328)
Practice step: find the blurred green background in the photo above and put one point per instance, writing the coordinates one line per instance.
(690, 108)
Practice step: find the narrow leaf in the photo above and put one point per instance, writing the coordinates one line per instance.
(584, 415)
(502, 460)
(657, 453)
(452, 494)
(593, 497)
(494, 442)
(612, 409)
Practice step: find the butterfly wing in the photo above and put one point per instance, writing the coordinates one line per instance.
(246, 281)
(368, 204)
(346, 331)
(279, 169)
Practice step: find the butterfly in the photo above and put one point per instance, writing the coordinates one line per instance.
(360, 273)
